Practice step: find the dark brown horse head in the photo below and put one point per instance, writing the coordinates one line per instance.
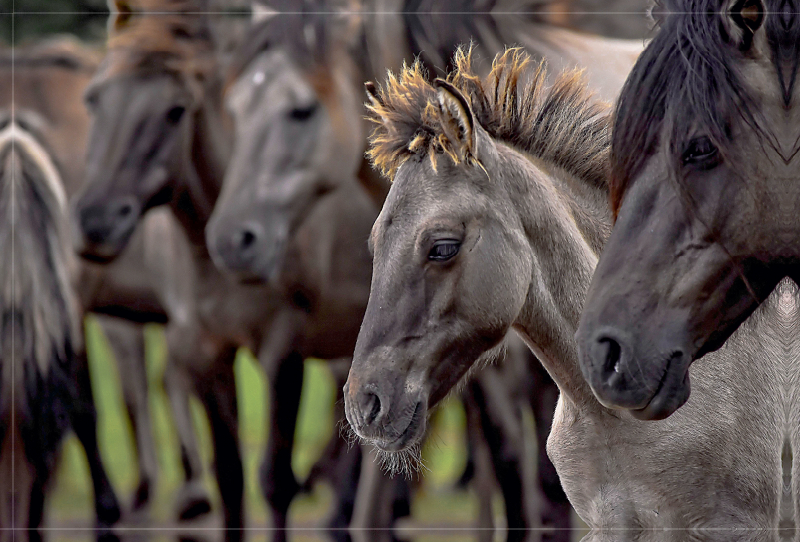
(704, 191)
(143, 103)
(298, 119)
(452, 264)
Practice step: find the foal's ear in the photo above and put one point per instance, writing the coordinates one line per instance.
(745, 17)
(458, 122)
(372, 94)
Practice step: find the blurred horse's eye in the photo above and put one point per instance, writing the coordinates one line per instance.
(444, 250)
(700, 151)
(175, 113)
(303, 113)
(91, 99)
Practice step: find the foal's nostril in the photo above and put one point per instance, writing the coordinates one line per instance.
(370, 407)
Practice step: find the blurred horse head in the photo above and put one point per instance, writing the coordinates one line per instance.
(298, 128)
(155, 86)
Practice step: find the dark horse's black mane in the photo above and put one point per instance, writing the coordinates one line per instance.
(686, 77)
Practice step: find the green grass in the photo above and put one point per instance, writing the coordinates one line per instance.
(70, 502)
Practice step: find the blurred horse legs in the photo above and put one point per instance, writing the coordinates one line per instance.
(127, 342)
(278, 481)
(556, 509)
(483, 476)
(373, 511)
(84, 422)
(219, 398)
(192, 500)
(501, 421)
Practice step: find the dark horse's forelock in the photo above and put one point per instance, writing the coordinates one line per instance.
(563, 124)
(685, 78)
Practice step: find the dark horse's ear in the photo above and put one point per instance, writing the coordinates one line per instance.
(745, 17)
(458, 122)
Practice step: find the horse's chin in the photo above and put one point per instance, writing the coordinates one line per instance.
(411, 436)
(669, 397)
(101, 254)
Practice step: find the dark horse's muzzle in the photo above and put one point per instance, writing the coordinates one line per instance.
(649, 386)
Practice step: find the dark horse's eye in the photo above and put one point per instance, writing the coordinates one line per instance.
(175, 113)
(700, 151)
(303, 113)
(444, 250)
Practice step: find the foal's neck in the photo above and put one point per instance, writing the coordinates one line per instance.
(562, 228)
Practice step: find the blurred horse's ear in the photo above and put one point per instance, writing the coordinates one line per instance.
(121, 13)
(120, 6)
(458, 122)
(744, 18)
(261, 12)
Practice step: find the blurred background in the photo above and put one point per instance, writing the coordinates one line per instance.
(443, 499)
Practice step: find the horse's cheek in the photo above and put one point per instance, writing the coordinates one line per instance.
(496, 289)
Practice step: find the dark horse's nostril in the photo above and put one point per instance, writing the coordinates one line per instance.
(370, 407)
(611, 353)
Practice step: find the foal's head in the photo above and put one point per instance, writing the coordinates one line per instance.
(298, 121)
(143, 101)
(704, 189)
(452, 261)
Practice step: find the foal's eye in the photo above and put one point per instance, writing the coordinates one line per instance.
(303, 113)
(175, 113)
(443, 250)
(700, 150)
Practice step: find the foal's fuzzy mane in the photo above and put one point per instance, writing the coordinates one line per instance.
(563, 124)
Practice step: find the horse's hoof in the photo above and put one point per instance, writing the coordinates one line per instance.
(142, 495)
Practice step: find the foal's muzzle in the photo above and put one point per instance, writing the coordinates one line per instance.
(392, 423)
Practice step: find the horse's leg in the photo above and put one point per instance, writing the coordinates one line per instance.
(556, 510)
(219, 398)
(327, 465)
(127, 342)
(373, 508)
(193, 499)
(483, 479)
(278, 482)
(340, 462)
(83, 418)
(502, 426)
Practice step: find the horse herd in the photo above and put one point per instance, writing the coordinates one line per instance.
(233, 189)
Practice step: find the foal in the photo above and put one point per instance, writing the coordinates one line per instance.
(494, 220)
